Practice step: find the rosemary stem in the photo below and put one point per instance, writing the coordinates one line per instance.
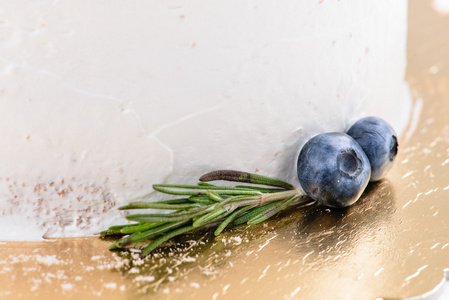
(205, 204)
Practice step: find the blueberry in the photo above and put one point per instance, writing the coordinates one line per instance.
(333, 169)
(379, 141)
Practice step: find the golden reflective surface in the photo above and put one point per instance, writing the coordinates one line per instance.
(393, 243)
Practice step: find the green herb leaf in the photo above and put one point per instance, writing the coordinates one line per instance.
(229, 219)
(158, 205)
(194, 190)
(238, 176)
(153, 245)
(147, 234)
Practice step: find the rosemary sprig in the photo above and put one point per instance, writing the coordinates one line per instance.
(204, 205)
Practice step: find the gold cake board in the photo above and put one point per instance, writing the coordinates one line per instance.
(393, 243)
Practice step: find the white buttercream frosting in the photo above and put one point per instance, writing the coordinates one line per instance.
(102, 99)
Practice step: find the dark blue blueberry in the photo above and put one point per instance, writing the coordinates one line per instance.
(379, 141)
(333, 169)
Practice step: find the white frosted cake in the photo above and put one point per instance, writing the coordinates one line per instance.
(102, 99)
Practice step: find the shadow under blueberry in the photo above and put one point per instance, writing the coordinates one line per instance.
(330, 230)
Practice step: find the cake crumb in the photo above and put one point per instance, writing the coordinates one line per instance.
(195, 285)
(48, 260)
(144, 278)
(188, 259)
(67, 286)
(110, 285)
(134, 270)
(237, 240)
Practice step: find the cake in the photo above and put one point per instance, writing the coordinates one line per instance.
(102, 99)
